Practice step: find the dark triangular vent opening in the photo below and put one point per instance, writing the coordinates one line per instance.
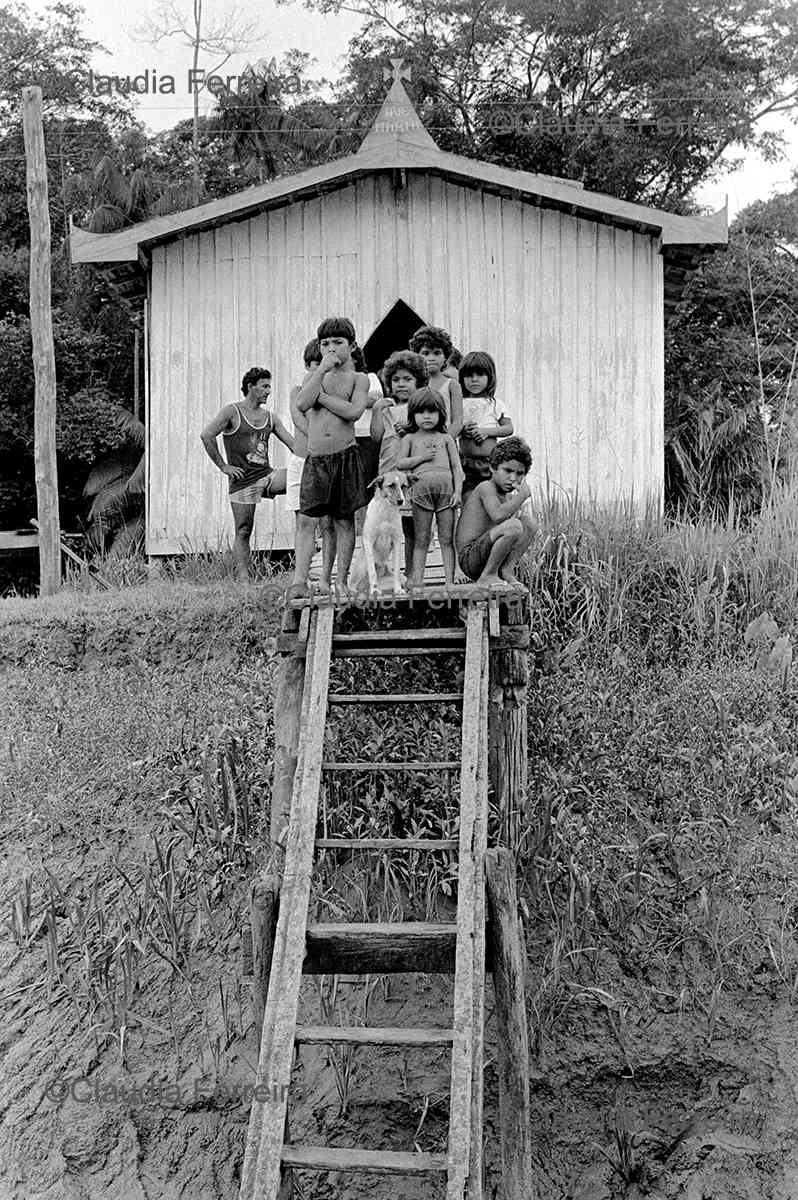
(393, 333)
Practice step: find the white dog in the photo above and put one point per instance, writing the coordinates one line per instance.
(383, 540)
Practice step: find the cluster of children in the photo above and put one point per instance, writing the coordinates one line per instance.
(431, 414)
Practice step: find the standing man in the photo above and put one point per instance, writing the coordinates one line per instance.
(246, 427)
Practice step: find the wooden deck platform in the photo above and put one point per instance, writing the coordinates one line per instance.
(435, 592)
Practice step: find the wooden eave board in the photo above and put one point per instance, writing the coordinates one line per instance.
(399, 154)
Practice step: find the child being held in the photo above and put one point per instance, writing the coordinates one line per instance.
(430, 453)
(495, 527)
(435, 347)
(402, 374)
(485, 419)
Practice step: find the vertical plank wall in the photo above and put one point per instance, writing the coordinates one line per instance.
(572, 311)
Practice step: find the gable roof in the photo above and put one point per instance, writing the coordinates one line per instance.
(398, 141)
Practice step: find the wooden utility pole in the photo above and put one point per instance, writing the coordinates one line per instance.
(41, 321)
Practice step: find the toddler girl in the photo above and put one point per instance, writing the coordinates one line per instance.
(430, 454)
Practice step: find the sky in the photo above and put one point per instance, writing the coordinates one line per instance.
(290, 26)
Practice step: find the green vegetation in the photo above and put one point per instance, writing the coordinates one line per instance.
(658, 864)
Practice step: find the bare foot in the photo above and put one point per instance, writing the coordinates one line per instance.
(460, 577)
(493, 582)
(342, 593)
(511, 581)
(323, 587)
(298, 591)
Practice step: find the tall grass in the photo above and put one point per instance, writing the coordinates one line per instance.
(615, 576)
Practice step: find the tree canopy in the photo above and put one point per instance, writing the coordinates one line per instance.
(636, 98)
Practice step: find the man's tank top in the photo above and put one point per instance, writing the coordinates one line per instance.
(247, 446)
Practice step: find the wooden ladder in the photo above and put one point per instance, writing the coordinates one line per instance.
(412, 946)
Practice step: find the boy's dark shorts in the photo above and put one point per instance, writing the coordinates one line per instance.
(332, 484)
(474, 556)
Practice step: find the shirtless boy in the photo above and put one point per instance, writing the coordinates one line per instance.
(495, 529)
(333, 396)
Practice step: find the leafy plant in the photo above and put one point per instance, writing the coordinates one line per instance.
(116, 487)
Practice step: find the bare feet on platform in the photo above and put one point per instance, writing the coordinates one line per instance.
(514, 584)
(298, 591)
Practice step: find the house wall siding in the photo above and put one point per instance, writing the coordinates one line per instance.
(572, 311)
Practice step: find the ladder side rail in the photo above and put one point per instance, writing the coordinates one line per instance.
(460, 1107)
(261, 1172)
(480, 903)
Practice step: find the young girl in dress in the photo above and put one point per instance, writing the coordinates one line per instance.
(429, 454)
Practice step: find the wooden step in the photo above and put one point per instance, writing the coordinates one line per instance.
(363, 1035)
(380, 949)
(398, 651)
(375, 637)
(375, 1162)
(394, 698)
(376, 843)
(449, 765)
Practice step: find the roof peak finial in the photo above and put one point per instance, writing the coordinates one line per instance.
(396, 71)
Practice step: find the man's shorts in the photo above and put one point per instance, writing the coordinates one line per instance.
(332, 484)
(254, 492)
(474, 556)
(293, 478)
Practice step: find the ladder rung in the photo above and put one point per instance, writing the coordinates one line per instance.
(376, 843)
(376, 1162)
(427, 633)
(391, 766)
(394, 698)
(377, 949)
(363, 1035)
(397, 651)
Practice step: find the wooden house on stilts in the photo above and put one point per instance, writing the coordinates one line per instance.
(567, 289)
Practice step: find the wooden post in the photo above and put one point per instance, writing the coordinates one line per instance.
(509, 961)
(507, 740)
(263, 905)
(287, 712)
(136, 374)
(41, 321)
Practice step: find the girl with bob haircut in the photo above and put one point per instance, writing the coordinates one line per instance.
(430, 453)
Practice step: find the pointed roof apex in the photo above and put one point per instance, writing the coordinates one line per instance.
(397, 122)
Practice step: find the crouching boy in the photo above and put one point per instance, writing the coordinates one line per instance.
(495, 527)
(333, 484)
